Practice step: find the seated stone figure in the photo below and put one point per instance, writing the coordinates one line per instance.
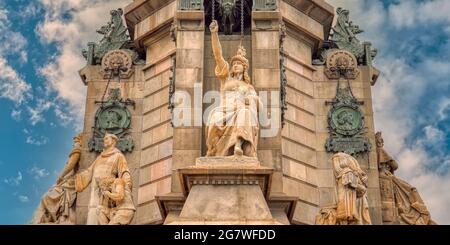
(402, 203)
(57, 206)
(232, 127)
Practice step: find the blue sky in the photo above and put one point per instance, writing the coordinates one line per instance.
(42, 97)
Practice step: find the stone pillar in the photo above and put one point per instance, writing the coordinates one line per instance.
(188, 82)
(152, 34)
(299, 144)
(266, 79)
(131, 88)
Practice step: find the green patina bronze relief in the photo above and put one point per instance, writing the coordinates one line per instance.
(346, 124)
(344, 37)
(113, 117)
(114, 37)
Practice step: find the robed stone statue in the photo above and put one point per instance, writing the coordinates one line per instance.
(232, 127)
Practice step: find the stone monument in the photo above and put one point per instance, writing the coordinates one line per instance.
(228, 112)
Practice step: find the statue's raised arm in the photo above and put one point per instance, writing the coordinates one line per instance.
(222, 67)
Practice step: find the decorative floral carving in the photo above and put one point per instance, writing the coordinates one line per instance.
(341, 64)
(117, 63)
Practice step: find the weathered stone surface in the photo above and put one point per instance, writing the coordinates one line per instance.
(299, 152)
(300, 100)
(155, 171)
(303, 191)
(266, 39)
(154, 21)
(266, 58)
(160, 49)
(305, 214)
(148, 213)
(226, 203)
(187, 139)
(148, 192)
(302, 21)
(300, 83)
(298, 48)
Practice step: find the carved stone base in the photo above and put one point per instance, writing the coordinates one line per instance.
(231, 160)
(226, 191)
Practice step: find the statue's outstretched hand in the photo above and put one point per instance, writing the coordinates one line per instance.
(214, 27)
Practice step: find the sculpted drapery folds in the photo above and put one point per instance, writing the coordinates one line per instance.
(233, 127)
(351, 207)
(110, 180)
(351, 184)
(402, 202)
(58, 204)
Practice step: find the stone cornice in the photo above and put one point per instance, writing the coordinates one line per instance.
(318, 10)
(139, 10)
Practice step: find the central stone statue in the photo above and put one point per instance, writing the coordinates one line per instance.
(232, 127)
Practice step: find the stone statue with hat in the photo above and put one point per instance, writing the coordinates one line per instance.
(232, 128)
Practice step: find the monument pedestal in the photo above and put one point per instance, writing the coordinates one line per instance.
(225, 190)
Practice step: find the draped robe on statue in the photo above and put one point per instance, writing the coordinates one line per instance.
(58, 204)
(234, 119)
(351, 184)
(111, 164)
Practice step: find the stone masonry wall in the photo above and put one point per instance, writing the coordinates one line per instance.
(131, 88)
(157, 132)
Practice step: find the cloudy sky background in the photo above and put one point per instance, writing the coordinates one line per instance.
(42, 98)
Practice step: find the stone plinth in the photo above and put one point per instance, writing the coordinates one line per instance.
(223, 190)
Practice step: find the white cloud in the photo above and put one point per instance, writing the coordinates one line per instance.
(37, 141)
(38, 173)
(34, 140)
(14, 181)
(36, 113)
(412, 13)
(12, 86)
(24, 199)
(31, 10)
(16, 115)
(10, 42)
(433, 134)
(443, 107)
(70, 37)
